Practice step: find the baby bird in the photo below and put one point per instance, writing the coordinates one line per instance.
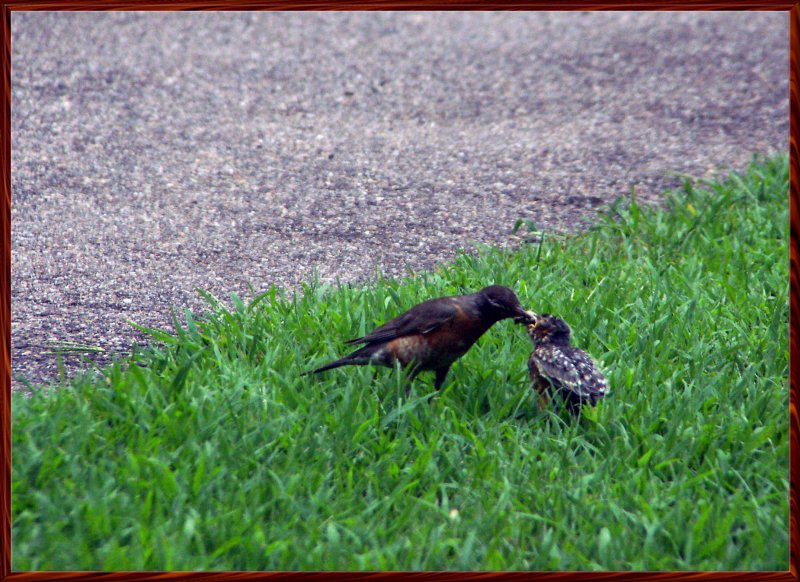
(556, 367)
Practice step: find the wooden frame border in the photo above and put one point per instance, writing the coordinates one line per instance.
(5, 282)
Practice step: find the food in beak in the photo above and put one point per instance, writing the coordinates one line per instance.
(529, 317)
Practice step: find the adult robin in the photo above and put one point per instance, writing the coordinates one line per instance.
(434, 334)
(556, 367)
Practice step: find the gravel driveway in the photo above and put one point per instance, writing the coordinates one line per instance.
(153, 153)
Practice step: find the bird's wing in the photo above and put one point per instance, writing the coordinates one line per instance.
(571, 369)
(420, 319)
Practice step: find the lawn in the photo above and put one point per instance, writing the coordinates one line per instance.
(209, 451)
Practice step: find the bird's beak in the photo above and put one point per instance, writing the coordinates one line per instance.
(525, 317)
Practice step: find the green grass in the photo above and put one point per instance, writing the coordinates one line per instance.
(212, 452)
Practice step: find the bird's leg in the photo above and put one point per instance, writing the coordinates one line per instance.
(441, 374)
(543, 401)
(413, 370)
(543, 388)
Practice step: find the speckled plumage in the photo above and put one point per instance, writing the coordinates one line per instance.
(556, 367)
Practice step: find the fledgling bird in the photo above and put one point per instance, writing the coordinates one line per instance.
(557, 367)
(434, 334)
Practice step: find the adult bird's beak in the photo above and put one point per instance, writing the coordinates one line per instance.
(525, 317)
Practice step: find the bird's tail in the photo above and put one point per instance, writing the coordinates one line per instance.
(331, 366)
(357, 358)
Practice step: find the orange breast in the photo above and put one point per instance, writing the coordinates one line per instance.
(442, 346)
(453, 340)
(410, 348)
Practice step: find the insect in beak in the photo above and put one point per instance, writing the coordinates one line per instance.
(527, 317)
